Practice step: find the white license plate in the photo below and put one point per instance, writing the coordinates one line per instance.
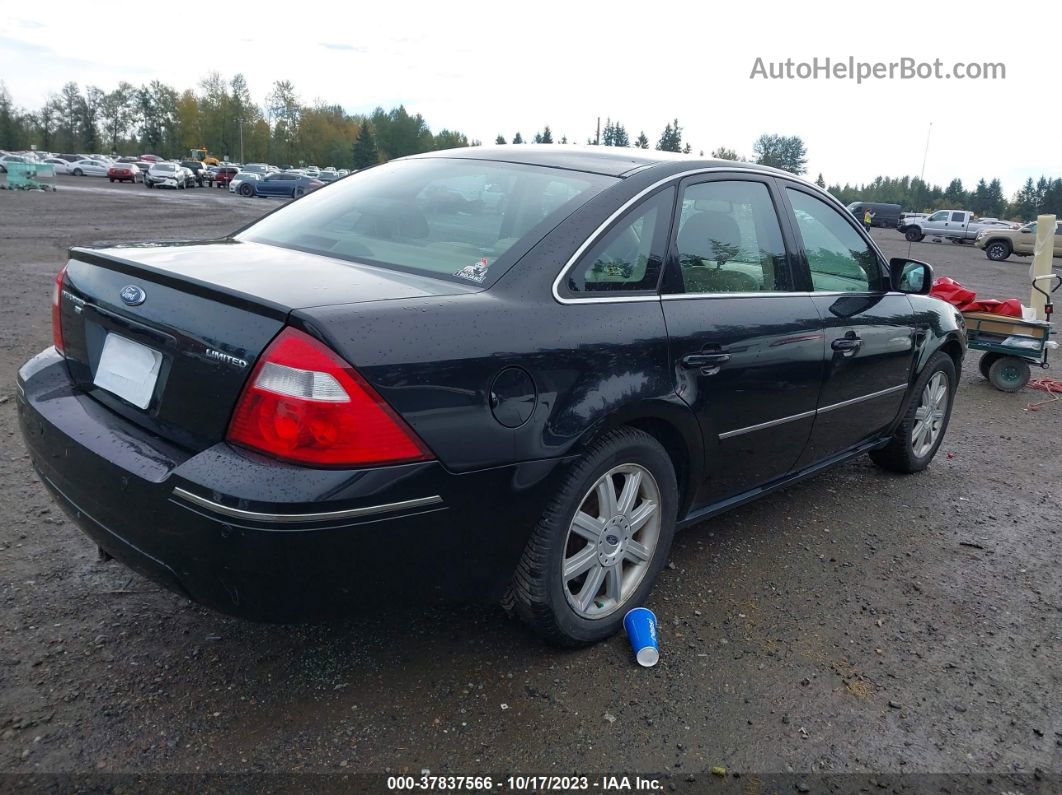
(128, 370)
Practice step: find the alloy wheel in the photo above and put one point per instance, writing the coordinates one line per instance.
(929, 416)
(611, 541)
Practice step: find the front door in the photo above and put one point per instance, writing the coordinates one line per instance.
(937, 223)
(747, 350)
(870, 330)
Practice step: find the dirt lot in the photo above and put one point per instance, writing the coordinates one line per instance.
(860, 622)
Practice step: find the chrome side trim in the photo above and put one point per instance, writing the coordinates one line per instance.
(861, 398)
(815, 412)
(289, 518)
(768, 424)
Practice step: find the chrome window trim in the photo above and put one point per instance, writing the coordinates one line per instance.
(813, 412)
(594, 236)
(295, 518)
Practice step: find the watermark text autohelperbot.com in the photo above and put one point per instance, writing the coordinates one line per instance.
(862, 71)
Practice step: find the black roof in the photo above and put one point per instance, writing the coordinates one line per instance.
(608, 160)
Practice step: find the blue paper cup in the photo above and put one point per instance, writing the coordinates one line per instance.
(640, 624)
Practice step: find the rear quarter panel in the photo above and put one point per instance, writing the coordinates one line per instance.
(434, 360)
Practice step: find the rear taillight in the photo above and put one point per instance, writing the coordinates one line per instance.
(303, 403)
(57, 320)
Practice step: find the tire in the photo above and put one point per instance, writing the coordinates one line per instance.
(540, 594)
(246, 189)
(298, 192)
(1009, 373)
(998, 250)
(905, 451)
(986, 362)
(913, 234)
(78, 172)
(112, 180)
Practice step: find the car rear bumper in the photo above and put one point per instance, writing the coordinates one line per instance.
(259, 538)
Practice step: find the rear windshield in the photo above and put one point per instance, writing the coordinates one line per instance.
(464, 220)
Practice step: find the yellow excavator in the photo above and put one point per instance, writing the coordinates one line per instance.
(203, 156)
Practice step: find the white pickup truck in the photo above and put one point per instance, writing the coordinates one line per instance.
(958, 226)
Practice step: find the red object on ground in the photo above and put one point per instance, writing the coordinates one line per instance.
(966, 300)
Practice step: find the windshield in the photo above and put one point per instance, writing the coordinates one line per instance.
(466, 220)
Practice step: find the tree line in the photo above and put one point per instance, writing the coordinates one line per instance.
(220, 115)
(986, 199)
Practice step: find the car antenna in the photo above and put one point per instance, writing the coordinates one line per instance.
(922, 176)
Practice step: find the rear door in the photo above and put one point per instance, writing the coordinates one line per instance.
(746, 349)
(869, 330)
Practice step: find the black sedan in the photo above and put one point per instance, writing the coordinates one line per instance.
(518, 393)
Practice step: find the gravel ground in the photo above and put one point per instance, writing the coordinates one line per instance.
(859, 622)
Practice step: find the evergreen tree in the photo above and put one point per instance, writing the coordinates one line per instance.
(500, 139)
(687, 149)
(671, 138)
(820, 181)
(546, 137)
(365, 152)
(518, 139)
(642, 142)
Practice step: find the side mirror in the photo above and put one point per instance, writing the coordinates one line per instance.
(910, 275)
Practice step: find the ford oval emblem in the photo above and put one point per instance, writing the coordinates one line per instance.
(132, 295)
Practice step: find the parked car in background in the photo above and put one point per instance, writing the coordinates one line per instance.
(885, 215)
(10, 159)
(61, 166)
(990, 222)
(166, 175)
(223, 176)
(89, 168)
(189, 176)
(283, 183)
(328, 176)
(236, 184)
(152, 158)
(957, 226)
(999, 243)
(258, 168)
(197, 168)
(143, 165)
(123, 172)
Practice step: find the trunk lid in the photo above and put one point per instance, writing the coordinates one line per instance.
(203, 312)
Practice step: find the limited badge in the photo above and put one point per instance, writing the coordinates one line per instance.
(474, 273)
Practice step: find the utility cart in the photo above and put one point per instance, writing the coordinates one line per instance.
(1011, 344)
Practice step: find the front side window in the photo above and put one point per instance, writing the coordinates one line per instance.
(839, 259)
(629, 257)
(465, 220)
(940, 216)
(729, 239)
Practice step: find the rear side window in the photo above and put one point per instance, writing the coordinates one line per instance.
(464, 220)
(629, 257)
(839, 259)
(960, 217)
(729, 239)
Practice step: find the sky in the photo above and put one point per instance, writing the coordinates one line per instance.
(495, 68)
